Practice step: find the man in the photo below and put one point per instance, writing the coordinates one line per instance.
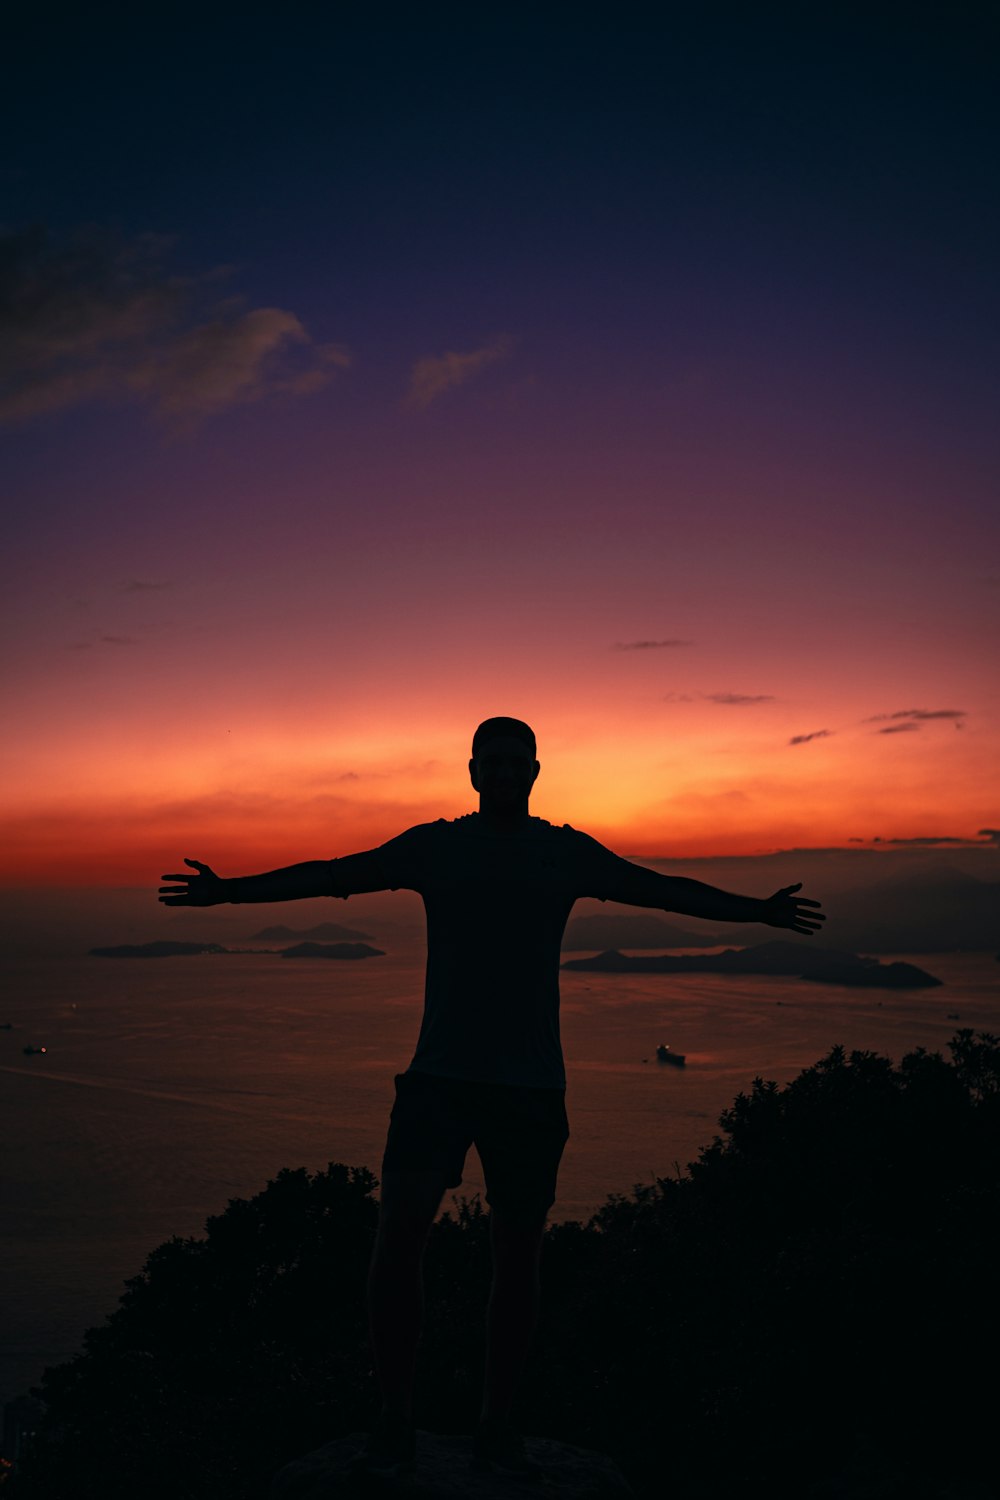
(497, 886)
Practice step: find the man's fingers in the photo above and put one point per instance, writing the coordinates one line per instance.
(195, 864)
(806, 922)
(193, 890)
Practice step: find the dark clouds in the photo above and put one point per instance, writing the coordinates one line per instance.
(729, 700)
(903, 721)
(817, 734)
(906, 720)
(648, 645)
(931, 840)
(739, 700)
(104, 640)
(96, 316)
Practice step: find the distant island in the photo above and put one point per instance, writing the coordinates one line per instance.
(326, 932)
(332, 950)
(163, 949)
(823, 965)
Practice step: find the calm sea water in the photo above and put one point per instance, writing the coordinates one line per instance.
(170, 1086)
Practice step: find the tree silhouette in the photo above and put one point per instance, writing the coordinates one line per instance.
(808, 1302)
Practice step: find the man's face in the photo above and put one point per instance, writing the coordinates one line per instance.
(504, 770)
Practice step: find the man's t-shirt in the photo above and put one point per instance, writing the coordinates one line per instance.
(496, 905)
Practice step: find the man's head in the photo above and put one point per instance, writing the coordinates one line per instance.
(503, 729)
(503, 765)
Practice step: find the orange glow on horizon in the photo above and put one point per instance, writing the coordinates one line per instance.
(626, 801)
(115, 774)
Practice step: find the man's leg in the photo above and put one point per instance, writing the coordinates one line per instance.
(520, 1140)
(513, 1309)
(410, 1201)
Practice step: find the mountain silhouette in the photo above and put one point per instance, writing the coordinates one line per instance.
(325, 932)
(824, 965)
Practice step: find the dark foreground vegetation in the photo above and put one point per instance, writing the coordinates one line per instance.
(811, 1311)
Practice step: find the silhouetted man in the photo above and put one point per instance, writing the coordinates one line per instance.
(498, 886)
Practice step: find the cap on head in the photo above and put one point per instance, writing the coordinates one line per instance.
(501, 728)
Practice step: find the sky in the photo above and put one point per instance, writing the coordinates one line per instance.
(364, 376)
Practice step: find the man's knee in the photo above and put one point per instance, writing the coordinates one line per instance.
(516, 1238)
(409, 1204)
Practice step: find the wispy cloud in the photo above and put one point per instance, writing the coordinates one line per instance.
(817, 734)
(648, 645)
(140, 586)
(928, 840)
(103, 640)
(96, 316)
(437, 373)
(907, 719)
(738, 700)
(235, 358)
(729, 700)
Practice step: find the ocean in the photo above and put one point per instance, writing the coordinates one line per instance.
(170, 1086)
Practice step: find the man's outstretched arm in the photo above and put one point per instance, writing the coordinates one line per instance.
(293, 883)
(637, 886)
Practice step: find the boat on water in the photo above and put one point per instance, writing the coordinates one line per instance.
(30, 1051)
(664, 1055)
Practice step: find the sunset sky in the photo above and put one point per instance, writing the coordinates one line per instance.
(362, 379)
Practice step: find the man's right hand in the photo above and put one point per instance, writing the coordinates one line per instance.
(203, 889)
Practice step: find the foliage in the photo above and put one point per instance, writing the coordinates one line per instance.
(813, 1294)
(226, 1356)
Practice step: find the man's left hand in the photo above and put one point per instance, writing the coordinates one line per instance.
(785, 909)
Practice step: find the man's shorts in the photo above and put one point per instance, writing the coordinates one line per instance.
(519, 1133)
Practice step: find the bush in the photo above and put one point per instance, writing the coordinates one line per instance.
(226, 1356)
